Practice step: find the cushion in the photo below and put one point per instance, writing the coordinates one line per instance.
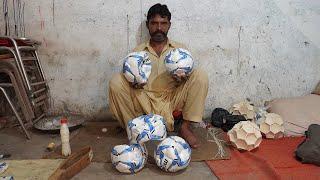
(297, 113)
(317, 90)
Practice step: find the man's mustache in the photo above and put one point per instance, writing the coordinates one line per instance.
(158, 32)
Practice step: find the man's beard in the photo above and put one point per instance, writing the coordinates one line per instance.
(158, 36)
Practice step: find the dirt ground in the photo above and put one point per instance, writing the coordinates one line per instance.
(12, 141)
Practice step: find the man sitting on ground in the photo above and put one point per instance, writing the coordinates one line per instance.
(163, 93)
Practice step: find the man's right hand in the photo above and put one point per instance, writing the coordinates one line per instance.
(180, 76)
(137, 86)
(180, 79)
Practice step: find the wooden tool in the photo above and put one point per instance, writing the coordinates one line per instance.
(73, 164)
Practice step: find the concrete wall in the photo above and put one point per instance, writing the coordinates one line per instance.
(257, 49)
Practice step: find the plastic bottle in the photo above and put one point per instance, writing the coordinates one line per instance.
(64, 133)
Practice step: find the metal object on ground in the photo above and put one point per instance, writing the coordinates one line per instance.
(25, 57)
(19, 59)
(15, 112)
(17, 84)
(51, 123)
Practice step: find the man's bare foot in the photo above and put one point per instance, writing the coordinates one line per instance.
(186, 133)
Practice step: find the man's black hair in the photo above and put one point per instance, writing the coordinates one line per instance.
(160, 9)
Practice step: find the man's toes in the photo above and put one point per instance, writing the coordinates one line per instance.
(190, 138)
(195, 146)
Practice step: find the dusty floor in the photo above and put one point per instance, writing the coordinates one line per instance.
(14, 142)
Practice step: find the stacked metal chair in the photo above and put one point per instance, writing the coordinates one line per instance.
(19, 62)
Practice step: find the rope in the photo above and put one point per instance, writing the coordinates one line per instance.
(212, 134)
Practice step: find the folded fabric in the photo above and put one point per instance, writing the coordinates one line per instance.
(309, 150)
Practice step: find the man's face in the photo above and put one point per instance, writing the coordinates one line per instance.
(158, 28)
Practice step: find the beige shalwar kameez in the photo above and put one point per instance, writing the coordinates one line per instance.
(162, 95)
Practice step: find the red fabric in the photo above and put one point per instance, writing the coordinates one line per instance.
(177, 114)
(274, 159)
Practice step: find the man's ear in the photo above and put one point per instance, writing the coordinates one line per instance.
(147, 22)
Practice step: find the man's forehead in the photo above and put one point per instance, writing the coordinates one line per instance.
(158, 17)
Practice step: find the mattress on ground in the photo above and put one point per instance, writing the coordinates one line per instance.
(298, 113)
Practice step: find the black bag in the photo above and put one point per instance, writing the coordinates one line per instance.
(309, 150)
(231, 120)
(217, 117)
(221, 118)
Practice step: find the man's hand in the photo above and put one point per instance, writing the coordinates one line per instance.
(137, 86)
(180, 76)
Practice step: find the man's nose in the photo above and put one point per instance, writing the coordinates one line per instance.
(159, 26)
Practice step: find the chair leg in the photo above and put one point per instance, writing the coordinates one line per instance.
(19, 89)
(16, 113)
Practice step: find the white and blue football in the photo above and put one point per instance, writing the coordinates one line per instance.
(137, 68)
(3, 167)
(173, 154)
(179, 62)
(128, 158)
(145, 128)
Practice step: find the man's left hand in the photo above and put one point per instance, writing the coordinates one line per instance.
(180, 78)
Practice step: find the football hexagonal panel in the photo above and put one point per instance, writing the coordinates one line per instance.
(245, 135)
(243, 108)
(272, 127)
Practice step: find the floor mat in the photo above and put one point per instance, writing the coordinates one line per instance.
(102, 143)
(274, 159)
(31, 169)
